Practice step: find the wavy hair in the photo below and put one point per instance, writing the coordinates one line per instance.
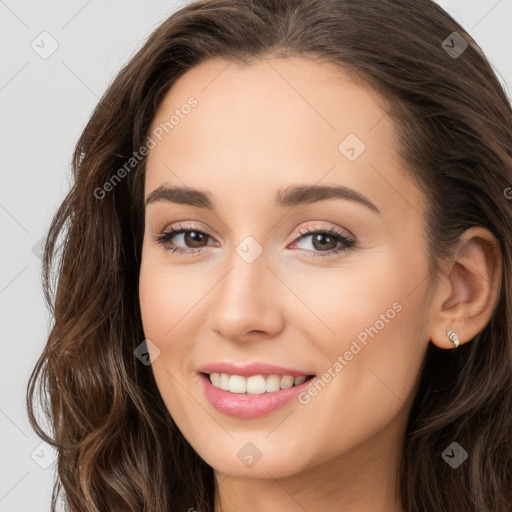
(118, 448)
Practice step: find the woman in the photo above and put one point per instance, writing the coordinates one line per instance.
(286, 270)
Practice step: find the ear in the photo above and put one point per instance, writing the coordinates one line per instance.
(469, 288)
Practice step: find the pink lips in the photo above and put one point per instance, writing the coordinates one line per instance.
(243, 405)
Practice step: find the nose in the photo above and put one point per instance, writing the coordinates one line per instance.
(246, 302)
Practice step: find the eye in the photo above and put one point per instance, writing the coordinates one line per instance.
(324, 242)
(193, 238)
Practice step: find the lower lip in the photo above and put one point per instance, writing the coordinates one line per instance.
(243, 405)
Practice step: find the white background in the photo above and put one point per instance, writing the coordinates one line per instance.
(44, 105)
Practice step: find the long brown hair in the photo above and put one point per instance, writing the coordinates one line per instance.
(118, 447)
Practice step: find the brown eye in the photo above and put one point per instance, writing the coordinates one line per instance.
(323, 241)
(182, 238)
(194, 239)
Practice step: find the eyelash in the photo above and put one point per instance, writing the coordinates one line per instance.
(164, 237)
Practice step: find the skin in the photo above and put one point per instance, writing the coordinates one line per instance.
(261, 128)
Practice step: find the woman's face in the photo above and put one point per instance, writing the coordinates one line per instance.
(265, 277)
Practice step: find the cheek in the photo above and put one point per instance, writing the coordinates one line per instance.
(156, 304)
(376, 355)
(374, 341)
(368, 303)
(172, 314)
(163, 302)
(166, 294)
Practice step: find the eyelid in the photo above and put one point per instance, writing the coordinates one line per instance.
(310, 229)
(185, 225)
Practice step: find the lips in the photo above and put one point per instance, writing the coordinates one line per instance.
(252, 390)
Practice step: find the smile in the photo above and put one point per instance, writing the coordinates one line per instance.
(257, 393)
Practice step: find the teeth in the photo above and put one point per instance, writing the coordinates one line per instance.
(286, 381)
(273, 383)
(237, 384)
(299, 380)
(254, 385)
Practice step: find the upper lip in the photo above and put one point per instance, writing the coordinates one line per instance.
(247, 370)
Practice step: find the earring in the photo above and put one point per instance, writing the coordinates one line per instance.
(453, 337)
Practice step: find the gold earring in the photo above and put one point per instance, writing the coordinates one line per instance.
(453, 337)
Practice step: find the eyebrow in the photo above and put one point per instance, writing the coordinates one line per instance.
(291, 196)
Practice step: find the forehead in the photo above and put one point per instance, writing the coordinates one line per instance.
(275, 122)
